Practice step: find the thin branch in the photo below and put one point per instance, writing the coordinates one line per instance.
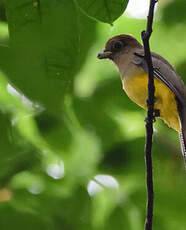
(150, 117)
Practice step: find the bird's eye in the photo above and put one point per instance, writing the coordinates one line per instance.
(117, 46)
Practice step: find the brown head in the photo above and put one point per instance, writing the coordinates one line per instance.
(119, 45)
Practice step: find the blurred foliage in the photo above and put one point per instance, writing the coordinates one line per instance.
(169, 16)
(71, 141)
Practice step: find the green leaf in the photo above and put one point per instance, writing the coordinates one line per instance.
(103, 10)
(47, 46)
(12, 219)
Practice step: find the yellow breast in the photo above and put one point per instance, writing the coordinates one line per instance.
(135, 86)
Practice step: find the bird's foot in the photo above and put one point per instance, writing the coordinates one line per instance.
(156, 113)
(148, 102)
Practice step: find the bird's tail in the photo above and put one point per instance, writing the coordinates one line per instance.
(182, 136)
(182, 117)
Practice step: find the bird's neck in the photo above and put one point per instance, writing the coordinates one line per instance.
(125, 64)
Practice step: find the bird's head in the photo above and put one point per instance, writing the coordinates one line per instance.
(117, 46)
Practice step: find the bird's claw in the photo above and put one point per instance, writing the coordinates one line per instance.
(156, 113)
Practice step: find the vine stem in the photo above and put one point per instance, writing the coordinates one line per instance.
(150, 117)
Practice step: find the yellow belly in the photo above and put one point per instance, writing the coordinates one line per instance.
(135, 87)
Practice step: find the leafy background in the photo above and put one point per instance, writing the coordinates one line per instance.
(71, 141)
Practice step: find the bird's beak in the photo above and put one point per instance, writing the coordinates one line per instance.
(104, 54)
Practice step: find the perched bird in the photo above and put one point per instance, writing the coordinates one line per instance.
(170, 92)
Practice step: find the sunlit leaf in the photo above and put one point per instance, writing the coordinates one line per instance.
(103, 10)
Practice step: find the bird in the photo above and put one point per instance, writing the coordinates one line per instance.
(128, 55)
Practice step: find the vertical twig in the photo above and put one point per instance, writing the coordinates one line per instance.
(150, 117)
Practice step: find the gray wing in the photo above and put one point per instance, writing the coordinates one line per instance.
(166, 73)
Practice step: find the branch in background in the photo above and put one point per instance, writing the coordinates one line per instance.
(150, 117)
